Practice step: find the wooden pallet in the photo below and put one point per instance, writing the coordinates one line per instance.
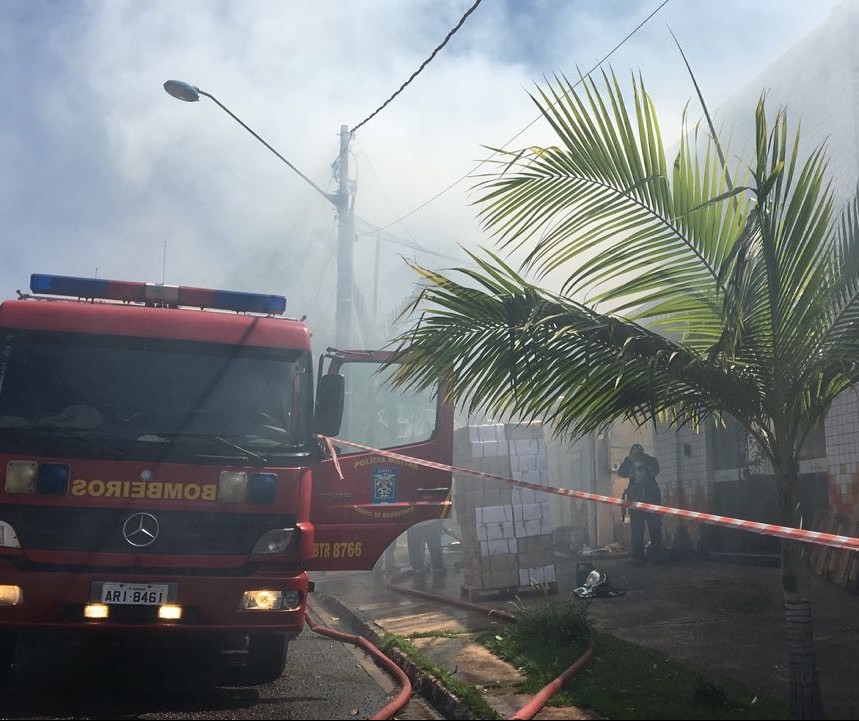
(473, 593)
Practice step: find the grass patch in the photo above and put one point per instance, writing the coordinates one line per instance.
(470, 696)
(623, 680)
(443, 634)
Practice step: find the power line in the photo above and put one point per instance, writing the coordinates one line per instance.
(394, 240)
(423, 65)
(482, 162)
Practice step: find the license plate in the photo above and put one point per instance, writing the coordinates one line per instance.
(135, 594)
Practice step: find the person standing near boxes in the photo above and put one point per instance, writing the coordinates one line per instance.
(426, 535)
(641, 469)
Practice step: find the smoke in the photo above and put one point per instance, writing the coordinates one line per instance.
(102, 167)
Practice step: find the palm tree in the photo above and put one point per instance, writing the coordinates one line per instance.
(679, 295)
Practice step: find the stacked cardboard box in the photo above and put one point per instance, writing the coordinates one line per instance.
(532, 525)
(506, 532)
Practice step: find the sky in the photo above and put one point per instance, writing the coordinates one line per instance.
(104, 174)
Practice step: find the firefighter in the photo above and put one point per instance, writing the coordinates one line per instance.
(425, 537)
(641, 469)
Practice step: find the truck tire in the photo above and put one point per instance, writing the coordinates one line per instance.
(266, 658)
(8, 644)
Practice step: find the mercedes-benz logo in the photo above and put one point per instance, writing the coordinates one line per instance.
(140, 530)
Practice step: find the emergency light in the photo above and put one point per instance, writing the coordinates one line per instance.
(155, 294)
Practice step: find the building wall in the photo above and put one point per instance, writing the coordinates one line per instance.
(842, 453)
(817, 83)
(685, 478)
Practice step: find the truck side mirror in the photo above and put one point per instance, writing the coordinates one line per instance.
(330, 395)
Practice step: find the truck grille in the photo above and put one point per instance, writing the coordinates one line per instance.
(100, 530)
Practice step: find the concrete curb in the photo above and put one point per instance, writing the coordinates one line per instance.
(429, 687)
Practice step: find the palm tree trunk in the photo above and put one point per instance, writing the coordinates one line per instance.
(805, 700)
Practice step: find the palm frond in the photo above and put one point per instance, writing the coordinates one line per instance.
(603, 204)
(692, 290)
(516, 349)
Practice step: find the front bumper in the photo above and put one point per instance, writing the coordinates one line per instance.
(54, 600)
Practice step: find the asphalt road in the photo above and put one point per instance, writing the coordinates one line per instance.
(61, 676)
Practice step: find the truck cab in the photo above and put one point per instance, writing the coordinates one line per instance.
(168, 470)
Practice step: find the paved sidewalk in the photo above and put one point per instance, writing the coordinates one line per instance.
(723, 618)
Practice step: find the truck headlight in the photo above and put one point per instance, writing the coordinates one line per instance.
(261, 600)
(21, 476)
(291, 600)
(232, 487)
(274, 541)
(11, 596)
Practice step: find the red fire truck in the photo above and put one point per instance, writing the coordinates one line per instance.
(164, 471)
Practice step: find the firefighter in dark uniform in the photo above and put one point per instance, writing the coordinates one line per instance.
(641, 469)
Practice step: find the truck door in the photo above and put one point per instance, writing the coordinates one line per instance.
(357, 517)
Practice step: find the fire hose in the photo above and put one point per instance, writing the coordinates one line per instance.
(402, 698)
(541, 698)
(527, 711)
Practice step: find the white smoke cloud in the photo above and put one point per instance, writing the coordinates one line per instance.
(102, 168)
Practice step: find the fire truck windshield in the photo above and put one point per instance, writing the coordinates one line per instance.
(88, 395)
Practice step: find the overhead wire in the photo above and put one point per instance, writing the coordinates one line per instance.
(483, 162)
(422, 66)
(411, 243)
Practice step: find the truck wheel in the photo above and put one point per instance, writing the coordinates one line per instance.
(8, 644)
(266, 658)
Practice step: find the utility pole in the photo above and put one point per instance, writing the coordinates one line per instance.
(341, 201)
(345, 242)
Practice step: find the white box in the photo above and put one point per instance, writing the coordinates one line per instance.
(527, 461)
(482, 532)
(538, 574)
(530, 511)
(522, 496)
(497, 531)
(491, 432)
(485, 433)
(476, 449)
(494, 548)
(545, 526)
(474, 434)
(534, 527)
(532, 475)
(524, 447)
(524, 576)
(513, 545)
(520, 529)
(491, 449)
(493, 514)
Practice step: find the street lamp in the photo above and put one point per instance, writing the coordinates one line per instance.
(340, 200)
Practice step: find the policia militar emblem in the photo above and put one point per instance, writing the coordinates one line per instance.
(140, 530)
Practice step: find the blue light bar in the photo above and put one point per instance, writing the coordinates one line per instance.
(66, 285)
(157, 294)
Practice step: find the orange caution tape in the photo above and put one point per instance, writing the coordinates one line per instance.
(768, 529)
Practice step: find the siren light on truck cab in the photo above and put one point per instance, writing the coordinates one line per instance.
(155, 294)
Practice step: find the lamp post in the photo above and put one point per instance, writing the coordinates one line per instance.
(340, 200)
